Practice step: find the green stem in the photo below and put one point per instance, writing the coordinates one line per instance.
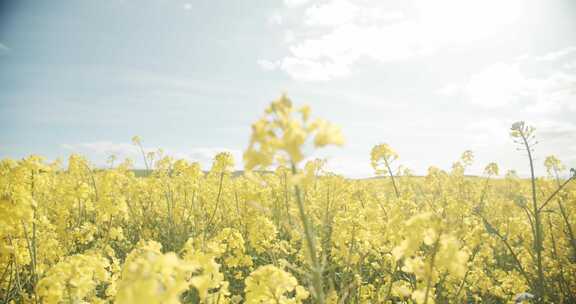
(392, 177)
(514, 255)
(309, 236)
(144, 157)
(538, 237)
(213, 215)
(556, 192)
(432, 261)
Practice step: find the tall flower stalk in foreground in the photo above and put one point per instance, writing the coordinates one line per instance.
(524, 136)
(281, 133)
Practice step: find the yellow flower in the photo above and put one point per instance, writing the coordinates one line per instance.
(270, 285)
(148, 276)
(281, 132)
(74, 279)
(382, 153)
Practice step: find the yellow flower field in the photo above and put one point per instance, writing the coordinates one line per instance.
(286, 231)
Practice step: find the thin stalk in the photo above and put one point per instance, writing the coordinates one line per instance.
(432, 261)
(538, 237)
(461, 286)
(217, 201)
(286, 198)
(569, 230)
(556, 256)
(9, 285)
(32, 244)
(93, 180)
(390, 285)
(392, 177)
(514, 255)
(309, 236)
(144, 157)
(556, 192)
(484, 191)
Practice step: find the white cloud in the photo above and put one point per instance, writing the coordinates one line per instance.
(449, 90)
(267, 65)
(553, 56)
(339, 12)
(289, 36)
(331, 13)
(489, 132)
(349, 32)
(555, 93)
(350, 42)
(306, 69)
(496, 86)
(462, 23)
(541, 84)
(187, 6)
(553, 130)
(275, 19)
(295, 3)
(311, 70)
(343, 32)
(335, 54)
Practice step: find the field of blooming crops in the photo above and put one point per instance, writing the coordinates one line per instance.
(295, 234)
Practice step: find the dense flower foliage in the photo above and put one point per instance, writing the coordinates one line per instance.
(294, 233)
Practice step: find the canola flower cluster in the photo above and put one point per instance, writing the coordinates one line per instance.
(288, 232)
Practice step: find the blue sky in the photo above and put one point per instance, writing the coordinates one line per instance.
(430, 78)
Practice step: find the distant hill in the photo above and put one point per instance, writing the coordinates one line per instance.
(144, 172)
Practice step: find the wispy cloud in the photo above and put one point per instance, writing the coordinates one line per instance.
(295, 3)
(449, 90)
(187, 6)
(537, 84)
(489, 132)
(267, 65)
(498, 85)
(335, 35)
(275, 19)
(4, 49)
(557, 131)
(557, 55)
